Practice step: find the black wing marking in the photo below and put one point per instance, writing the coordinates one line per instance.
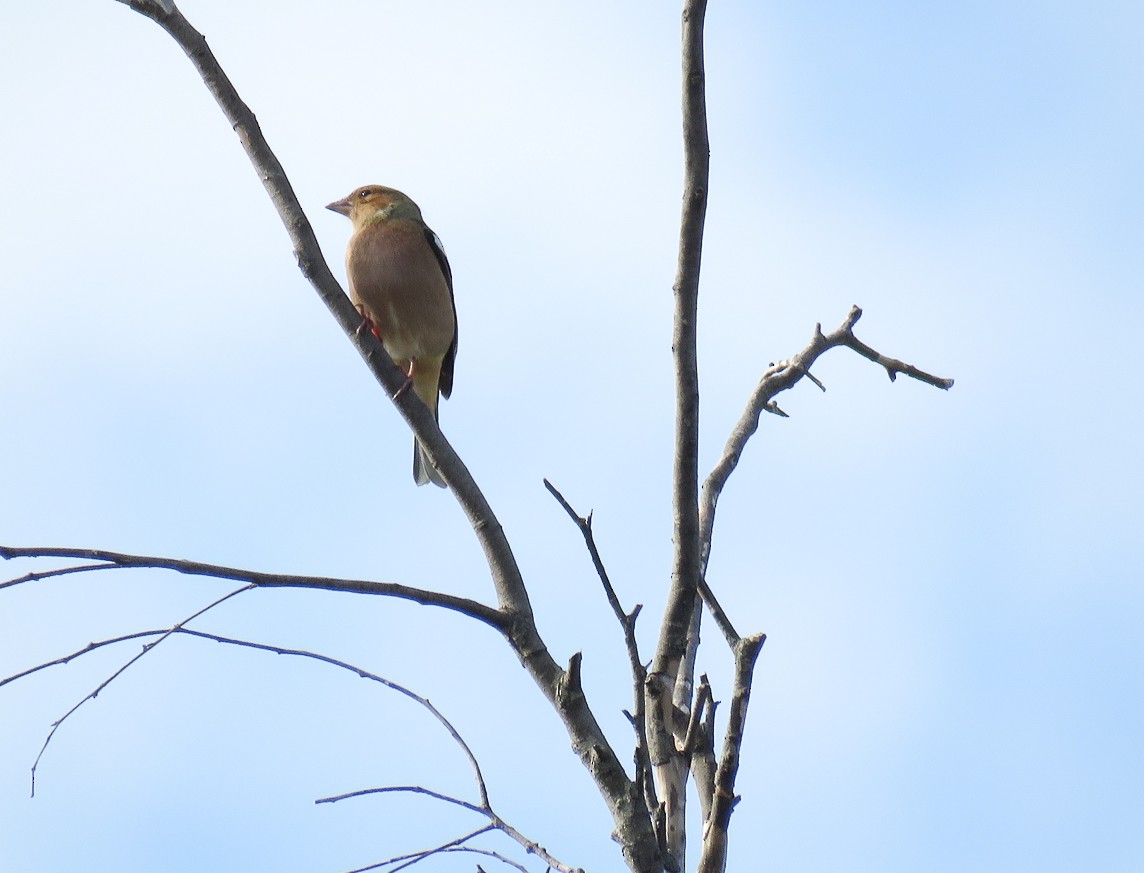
(446, 383)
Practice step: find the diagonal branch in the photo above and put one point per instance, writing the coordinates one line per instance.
(778, 378)
(627, 621)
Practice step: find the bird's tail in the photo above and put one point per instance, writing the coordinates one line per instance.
(425, 385)
(423, 470)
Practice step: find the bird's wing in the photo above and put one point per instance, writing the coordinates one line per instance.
(446, 383)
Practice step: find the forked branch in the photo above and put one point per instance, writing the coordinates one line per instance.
(778, 378)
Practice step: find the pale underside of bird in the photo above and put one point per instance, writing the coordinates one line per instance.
(401, 283)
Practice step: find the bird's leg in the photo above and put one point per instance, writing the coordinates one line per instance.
(367, 323)
(405, 386)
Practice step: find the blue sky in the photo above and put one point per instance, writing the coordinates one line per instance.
(951, 582)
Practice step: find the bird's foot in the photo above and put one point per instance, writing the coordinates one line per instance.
(405, 386)
(367, 323)
(408, 383)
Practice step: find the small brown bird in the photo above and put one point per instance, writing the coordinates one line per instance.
(401, 283)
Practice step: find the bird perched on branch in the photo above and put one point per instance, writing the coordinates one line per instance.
(401, 283)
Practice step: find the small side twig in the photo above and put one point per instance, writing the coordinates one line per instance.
(776, 379)
(584, 523)
(716, 609)
(627, 622)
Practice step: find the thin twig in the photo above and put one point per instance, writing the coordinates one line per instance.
(627, 622)
(278, 650)
(411, 858)
(584, 523)
(48, 574)
(489, 853)
(481, 808)
(722, 620)
(495, 821)
(147, 648)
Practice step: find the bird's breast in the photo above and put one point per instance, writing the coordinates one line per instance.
(396, 279)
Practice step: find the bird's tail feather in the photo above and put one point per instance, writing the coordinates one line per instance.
(423, 470)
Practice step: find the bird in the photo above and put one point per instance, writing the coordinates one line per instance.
(401, 283)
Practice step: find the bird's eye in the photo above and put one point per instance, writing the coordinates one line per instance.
(365, 194)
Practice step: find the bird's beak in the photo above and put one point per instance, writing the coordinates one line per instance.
(343, 206)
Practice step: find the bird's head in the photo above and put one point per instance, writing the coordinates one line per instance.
(374, 203)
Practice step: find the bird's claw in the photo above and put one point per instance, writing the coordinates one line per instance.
(367, 323)
(405, 386)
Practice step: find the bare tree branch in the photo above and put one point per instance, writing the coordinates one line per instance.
(685, 572)
(685, 478)
(482, 808)
(627, 622)
(778, 378)
(277, 650)
(472, 608)
(673, 733)
(584, 523)
(713, 857)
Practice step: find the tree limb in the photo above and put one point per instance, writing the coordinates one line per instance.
(472, 608)
(713, 857)
(685, 572)
(778, 378)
